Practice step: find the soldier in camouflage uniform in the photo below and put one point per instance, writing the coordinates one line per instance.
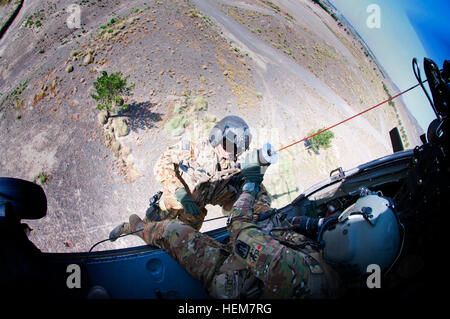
(194, 174)
(259, 261)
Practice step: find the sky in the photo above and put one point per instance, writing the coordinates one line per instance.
(407, 29)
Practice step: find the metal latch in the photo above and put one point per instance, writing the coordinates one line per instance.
(341, 173)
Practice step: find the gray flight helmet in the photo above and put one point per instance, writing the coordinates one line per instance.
(234, 135)
(366, 233)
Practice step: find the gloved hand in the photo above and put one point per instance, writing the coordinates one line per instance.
(310, 226)
(189, 205)
(307, 226)
(251, 169)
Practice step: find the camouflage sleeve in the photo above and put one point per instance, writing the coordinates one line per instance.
(282, 269)
(262, 202)
(165, 169)
(241, 215)
(243, 207)
(247, 206)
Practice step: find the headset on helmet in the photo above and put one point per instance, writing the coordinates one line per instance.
(233, 133)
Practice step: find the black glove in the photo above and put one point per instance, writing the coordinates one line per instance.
(307, 226)
(189, 205)
(312, 227)
(251, 169)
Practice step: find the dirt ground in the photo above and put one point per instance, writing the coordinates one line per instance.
(286, 67)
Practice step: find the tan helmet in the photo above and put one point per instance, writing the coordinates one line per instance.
(233, 133)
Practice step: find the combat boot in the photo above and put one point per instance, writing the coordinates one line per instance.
(123, 228)
(137, 225)
(134, 224)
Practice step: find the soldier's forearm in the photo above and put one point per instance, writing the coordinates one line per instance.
(243, 207)
(172, 184)
(241, 214)
(166, 174)
(165, 170)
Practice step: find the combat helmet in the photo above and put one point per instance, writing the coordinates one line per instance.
(366, 233)
(233, 133)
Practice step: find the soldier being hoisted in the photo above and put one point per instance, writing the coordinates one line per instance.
(194, 174)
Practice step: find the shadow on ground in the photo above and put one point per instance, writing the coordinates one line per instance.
(140, 116)
(285, 193)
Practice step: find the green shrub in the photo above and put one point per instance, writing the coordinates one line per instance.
(200, 103)
(109, 91)
(322, 140)
(210, 118)
(179, 108)
(176, 125)
(42, 177)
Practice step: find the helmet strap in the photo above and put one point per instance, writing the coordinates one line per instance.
(325, 225)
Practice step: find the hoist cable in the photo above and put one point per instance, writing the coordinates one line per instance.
(352, 117)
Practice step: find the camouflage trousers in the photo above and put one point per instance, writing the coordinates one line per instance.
(271, 270)
(200, 255)
(204, 258)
